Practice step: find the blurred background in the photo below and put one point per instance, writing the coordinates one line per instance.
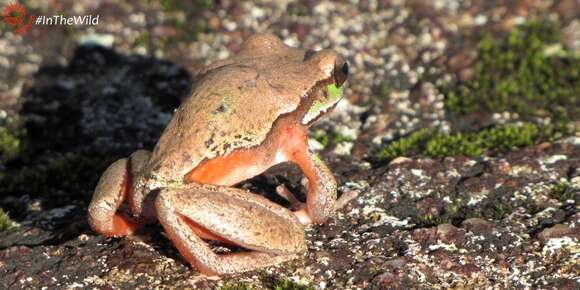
(427, 79)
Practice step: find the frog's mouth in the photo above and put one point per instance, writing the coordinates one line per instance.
(322, 106)
(327, 96)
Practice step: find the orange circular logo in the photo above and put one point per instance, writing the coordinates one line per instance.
(16, 16)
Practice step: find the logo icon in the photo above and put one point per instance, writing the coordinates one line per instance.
(16, 16)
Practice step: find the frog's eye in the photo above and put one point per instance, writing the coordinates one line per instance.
(340, 73)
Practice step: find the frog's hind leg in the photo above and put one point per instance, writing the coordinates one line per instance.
(115, 186)
(271, 233)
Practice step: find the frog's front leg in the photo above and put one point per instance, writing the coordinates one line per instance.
(271, 233)
(114, 187)
(321, 196)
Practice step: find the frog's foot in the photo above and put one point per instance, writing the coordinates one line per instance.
(270, 232)
(345, 198)
(297, 206)
(113, 188)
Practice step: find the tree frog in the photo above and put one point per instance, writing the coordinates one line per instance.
(244, 115)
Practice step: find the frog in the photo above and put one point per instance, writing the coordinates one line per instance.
(244, 115)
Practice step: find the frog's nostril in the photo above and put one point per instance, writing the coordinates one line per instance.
(341, 74)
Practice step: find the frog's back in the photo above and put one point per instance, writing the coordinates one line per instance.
(233, 105)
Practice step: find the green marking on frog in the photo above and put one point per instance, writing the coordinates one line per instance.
(321, 106)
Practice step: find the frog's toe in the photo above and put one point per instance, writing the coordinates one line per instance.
(103, 215)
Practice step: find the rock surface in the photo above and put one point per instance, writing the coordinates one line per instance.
(502, 220)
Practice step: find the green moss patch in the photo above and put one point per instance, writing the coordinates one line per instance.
(497, 139)
(405, 146)
(188, 16)
(10, 140)
(236, 286)
(564, 193)
(268, 282)
(5, 222)
(287, 284)
(530, 73)
(330, 138)
(278, 283)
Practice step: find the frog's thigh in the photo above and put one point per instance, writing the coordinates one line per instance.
(239, 217)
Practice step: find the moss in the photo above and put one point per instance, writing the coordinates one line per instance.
(188, 17)
(287, 284)
(563, 193)
(452, 213)
(429, 221)
(298, 8)
(5, 222)
(235, 286)
(330, 139)
(143, 39)
(169, 6)
(339, 138)
(520, 75)
(405, 146)
(498, 211)
(496, 139)
(385, 89)
(277, 283)
(506, 137)
(501, 138)
(322, 137)
(11, 135)
(269, 282)
(456, 144)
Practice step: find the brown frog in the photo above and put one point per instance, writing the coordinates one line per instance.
(245, 114)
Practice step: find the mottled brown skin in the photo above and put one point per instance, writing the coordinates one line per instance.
(245, 114)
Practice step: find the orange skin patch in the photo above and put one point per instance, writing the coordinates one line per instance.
(214, 170)
(205, 233)
(122, 224)
(291, 139)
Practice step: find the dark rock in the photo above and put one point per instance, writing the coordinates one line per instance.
(557, 231)
(461, 60)
(430, 206)
(425, 236)
(387, 280)
(469, 270)
(398, 263)
(450, 234)
(478, 226)
(564, 284)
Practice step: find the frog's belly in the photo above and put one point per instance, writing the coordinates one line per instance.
(232, 168)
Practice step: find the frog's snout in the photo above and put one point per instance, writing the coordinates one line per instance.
(340, 72)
